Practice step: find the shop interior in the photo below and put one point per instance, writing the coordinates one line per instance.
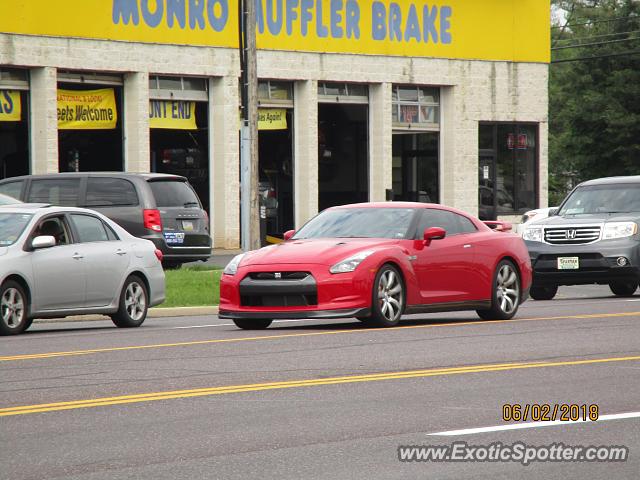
(415, 167)
(14, 144)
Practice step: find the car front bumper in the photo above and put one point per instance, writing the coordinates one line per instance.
(598, 262)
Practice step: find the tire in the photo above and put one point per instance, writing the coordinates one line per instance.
(14, 309)
(388, 298)
(134, 304)
(505, 293)
(543, 293)
(252, 323)
(623, 289)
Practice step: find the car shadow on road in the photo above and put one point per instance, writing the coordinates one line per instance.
(357, 325)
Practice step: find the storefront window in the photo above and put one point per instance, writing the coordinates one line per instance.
(14, 131)
(415, 107)
(508, 177)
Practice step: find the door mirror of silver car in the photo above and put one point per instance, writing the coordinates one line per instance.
(288, 234)
(43, 241)
(552, 211)
(433, 233)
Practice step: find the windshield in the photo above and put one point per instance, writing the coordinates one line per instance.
(621, 198)
(359, 223)
(11, 227)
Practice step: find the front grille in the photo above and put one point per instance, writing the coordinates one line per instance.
(279, 275)
(278, 300)
(571, 235)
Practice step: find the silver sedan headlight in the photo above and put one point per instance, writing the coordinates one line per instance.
(533, 234)
(232, 266)
(349, 264)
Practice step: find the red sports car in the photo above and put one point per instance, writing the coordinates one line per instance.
(376, 261)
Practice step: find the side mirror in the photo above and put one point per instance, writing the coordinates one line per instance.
(433, 233)
(553, 211)
(43, 241)
(288, 234)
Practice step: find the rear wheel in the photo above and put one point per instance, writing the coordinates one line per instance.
(505, 298)
(623, 289)
(546, 292)
(134, 303)
(388, 298)
(252, 323)
(14, 309)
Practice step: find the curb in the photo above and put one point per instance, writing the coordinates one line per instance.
(153, 313)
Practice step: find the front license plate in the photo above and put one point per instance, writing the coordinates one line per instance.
(568, 263)
(174, 238)
(187, 225)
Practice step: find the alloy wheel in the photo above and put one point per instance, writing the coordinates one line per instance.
(390, 295)
(507, 289)
(135, 301)
(12, 308)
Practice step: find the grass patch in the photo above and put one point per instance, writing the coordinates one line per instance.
(192, 286)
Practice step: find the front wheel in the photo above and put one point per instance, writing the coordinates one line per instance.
(388, 298)
(543, 293)
(252, 323)
(505, 298)
(134, 303)
(623, 289)
(14, 309)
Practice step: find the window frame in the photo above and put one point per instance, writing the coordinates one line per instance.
(398, 103)
(76, 231)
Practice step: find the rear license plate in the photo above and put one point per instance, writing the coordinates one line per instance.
(187, 225)
(568, 263)
(174, 238)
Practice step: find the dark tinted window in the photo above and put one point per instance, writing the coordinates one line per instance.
(110, 191)
(57, 191)
(13, 189)
(451, 222)
(90, 229)
(172, 193)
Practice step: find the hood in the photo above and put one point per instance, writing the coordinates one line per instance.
(321, 251)
(595, 218)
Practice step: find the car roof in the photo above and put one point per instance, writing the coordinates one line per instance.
(612, 180)
(402, 205)
(34, 208)
(146, 176)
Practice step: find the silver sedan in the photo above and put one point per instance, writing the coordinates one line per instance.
(59, 261)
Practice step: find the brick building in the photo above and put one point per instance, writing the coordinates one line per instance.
(442, 101)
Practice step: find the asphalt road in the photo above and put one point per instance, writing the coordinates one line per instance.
(195, 398)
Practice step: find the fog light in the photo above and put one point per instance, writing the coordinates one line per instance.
(622, 261)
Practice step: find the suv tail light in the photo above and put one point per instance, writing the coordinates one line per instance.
(152, 220)
(159, 255)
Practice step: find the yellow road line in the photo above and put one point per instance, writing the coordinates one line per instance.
(223, 390)
(33, 356)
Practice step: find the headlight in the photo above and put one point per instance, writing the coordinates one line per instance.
(533, 234)
(619, 230)
(350, 264)
(232, 266)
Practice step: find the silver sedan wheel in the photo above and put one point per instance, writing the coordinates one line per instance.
(390, 295)
(12, 308)
(507, 289)
(135, 301)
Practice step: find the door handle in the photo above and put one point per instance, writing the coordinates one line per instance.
(121, 252)
(77, 256)
(468, 245)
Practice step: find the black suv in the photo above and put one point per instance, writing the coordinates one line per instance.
(592, 238)
(159, 207)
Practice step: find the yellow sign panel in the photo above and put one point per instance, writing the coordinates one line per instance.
(272, 119)
(512, 30)
(172, 114)
(10, 106)
(87, 109)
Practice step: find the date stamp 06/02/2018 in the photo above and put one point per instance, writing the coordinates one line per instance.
(547, 412)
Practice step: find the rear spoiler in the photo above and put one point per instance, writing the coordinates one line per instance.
(498, 226)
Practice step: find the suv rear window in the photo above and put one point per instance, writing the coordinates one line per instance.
(174, 193)
(105, 192)
(56, 191)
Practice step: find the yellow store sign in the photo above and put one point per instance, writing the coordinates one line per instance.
(172, 114)
(512, 30)
(10, 106)
(87, 109)
(272, 119)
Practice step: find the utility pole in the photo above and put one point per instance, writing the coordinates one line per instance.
(249, 206)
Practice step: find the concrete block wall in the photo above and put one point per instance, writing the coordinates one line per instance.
(471, 92)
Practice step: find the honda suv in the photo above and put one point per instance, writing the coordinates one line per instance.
(159, 207)
(592, 238)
